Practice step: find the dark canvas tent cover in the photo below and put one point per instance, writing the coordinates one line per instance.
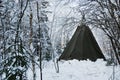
(82, 46)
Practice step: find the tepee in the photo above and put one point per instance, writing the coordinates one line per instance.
(82, 46)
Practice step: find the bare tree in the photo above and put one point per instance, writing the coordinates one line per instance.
(106, 16)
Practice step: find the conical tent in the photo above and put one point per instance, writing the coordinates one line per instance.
(82, 46)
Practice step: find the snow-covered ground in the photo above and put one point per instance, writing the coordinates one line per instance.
(77, 70)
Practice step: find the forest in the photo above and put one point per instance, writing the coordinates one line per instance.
(34, 33)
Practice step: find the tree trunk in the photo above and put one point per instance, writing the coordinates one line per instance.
(39, 43)
(114, 48)
(30, 43)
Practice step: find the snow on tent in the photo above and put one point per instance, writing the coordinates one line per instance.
(82, 46)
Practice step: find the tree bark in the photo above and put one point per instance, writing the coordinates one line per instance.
(30, 43)
(39, 43)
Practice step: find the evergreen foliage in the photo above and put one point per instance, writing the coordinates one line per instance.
(16, 64)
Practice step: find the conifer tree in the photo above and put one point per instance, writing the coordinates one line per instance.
(15, 61)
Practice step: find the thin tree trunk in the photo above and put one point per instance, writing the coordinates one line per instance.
(30, 44)
(114, 48)
(57, 67)
(39, 44)
(4, 44)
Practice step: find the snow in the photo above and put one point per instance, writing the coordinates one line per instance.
(77, 70)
